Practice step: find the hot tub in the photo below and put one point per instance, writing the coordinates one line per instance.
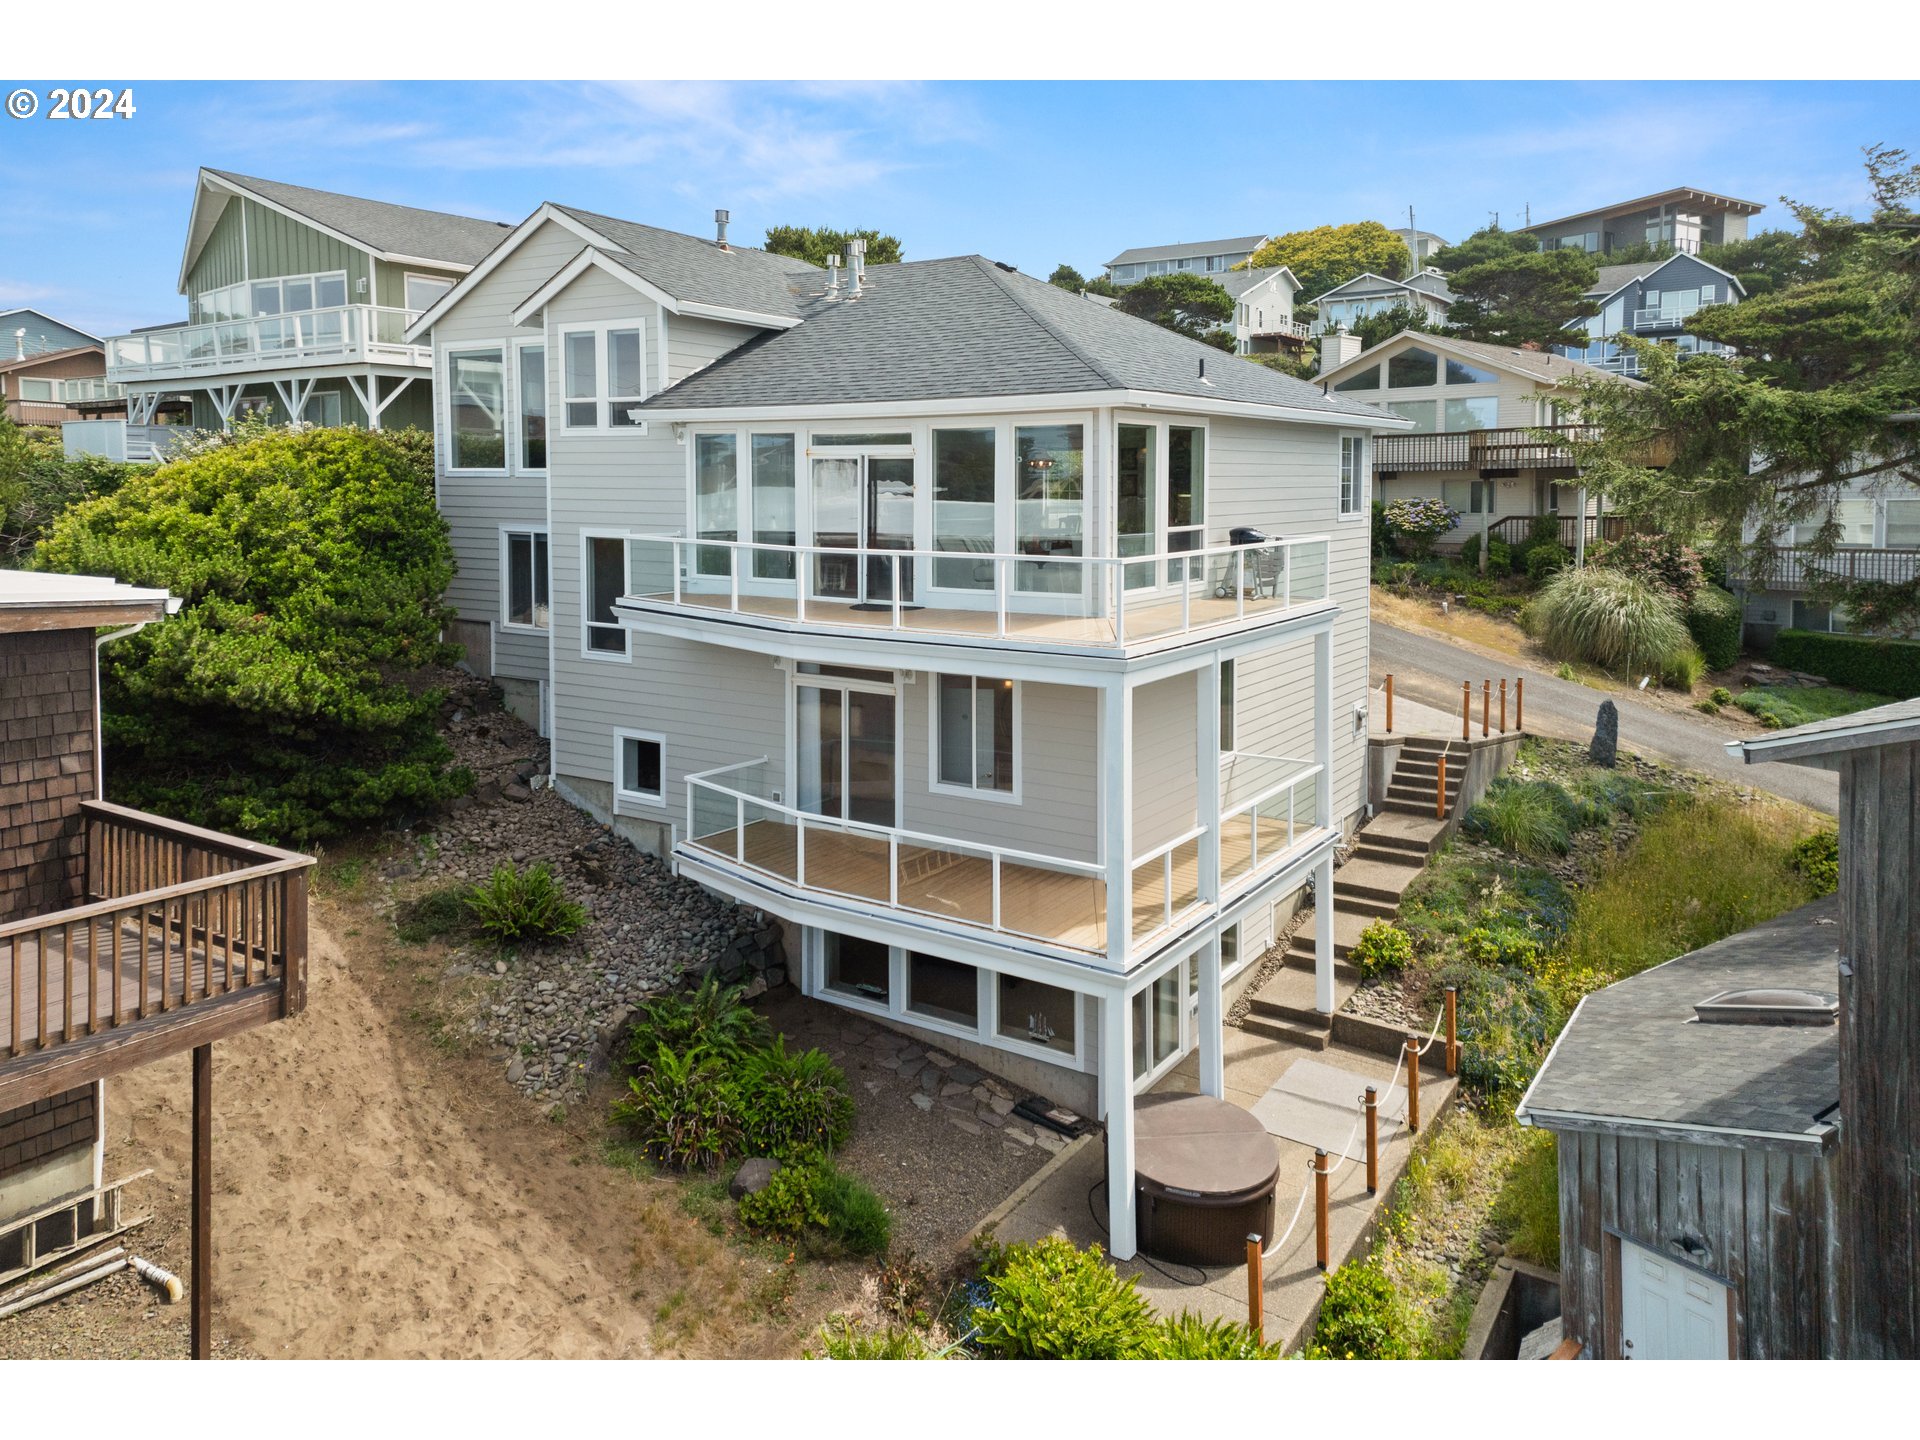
(1204, 1174)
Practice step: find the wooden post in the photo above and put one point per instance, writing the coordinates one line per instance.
(1256, 1292)
(1453, 1035)
(1519, 703)
(1503, 707)
(1373, 1141)
(1321, 1239)
(1389, 704)
(1486, 707)
(1413, 1085)
(201, 1324)
(1440, 791)
(1466, 709)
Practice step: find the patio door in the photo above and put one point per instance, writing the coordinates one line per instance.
(863, 506)
(844, 747)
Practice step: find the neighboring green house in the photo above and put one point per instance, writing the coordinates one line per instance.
(298, 305)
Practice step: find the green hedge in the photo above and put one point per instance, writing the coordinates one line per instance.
(1714, 621)
(1886, 667)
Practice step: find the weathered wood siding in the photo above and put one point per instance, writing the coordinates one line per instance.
(1879, 1206)
(1763, 1215)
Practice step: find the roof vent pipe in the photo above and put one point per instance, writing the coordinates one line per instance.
(720, 219)
(833, 277)
(20, 343)
(856, 265)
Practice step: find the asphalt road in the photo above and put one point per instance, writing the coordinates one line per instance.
(1430, 671)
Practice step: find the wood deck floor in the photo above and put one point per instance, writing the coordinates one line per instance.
(78, 978)
(1144, 621)
(1053, 905)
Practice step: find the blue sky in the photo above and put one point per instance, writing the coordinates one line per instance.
(1028, 173)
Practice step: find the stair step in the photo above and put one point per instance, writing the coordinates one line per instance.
(1362, 905)
(1365, 879)
(1388, 855)
(1288, 1032)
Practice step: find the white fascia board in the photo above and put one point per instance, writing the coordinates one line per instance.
(1815, 1139)
(1017, 404)
(514, 239)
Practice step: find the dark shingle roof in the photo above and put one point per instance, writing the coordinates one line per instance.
(1612, 277)
(962, 327)
(391, 229)
(1634, 1051)
(698, 272)
(1237, 282)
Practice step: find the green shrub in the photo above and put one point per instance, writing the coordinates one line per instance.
(1714, 621)
(1502, 948)
(1884, 667)
(1564, 671)
(1051, 1301)
(856, 1219)
(1610, 619)
(1499, 555)
(39, 484)
(846, 1343)
(792, 1104)
(1683, 668)
(1721, 695)
(1362, 1317)
(432, 915)
(1706, 707)
(1415, 523)
(1527, 817)
(682, 1109)
(789, 1202)
(291, 697)
(1382, 947)
(1785, 706)
(713, 1015)
(1527, 1209)
(1547, 560)
(1188, 1337)
(515, 905)
(1507, 1019)
(1818, 858)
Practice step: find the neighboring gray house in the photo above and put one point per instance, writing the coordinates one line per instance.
(1651, 301)
(1344, 306)
(1203, 257)
(1878, 519)
(25, 333)
(1684, 218)
(1263, 309)
(902, 606)
(1423, 245)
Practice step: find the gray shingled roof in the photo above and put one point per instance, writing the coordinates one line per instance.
(1234, 246)
(699, 272)
(1635, 1052)
(391, 229)
(1541, 364)
(1612, 277)
(1893, 719)
(964, 327)
(1237, 282)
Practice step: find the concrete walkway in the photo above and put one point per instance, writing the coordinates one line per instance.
(1068, 1197)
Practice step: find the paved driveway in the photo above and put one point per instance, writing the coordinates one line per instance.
(1430, 670)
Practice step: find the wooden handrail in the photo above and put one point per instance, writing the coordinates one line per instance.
(150, 899)
(213, 840)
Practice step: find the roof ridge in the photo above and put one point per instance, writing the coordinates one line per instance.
(235, 175)
(1000, 278)
(584, 215)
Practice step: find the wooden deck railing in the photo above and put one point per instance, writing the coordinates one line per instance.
(1516, 528)
(175, 916)
(1795, 567)
(1514, 448)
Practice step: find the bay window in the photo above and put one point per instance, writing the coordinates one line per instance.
(974, 729)
(476, 409)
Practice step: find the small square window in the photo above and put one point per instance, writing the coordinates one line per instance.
(943, 989)
(643, 768)
(861, 969)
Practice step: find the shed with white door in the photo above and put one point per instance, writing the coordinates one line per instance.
(1696, 1107)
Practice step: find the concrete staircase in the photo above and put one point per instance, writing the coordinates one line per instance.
(1391, 853)
(1416, 775)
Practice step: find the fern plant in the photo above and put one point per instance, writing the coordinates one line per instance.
(714, 1015)
(514, 906)
(682, 1109)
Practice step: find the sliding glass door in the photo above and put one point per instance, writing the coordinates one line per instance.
(845, 749)
(863, 505)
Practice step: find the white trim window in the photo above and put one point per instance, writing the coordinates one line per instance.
(976, 737)
(1353, 478)
(524, 585)
(603, 375)
(530, 406)
(639, 768)
(422, 292)
(603, 574)
(477, 410)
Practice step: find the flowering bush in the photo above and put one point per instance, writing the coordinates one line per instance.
(1416, 523)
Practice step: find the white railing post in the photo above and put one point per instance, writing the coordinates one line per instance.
(893, 585)
(740, 828)
(893, 871)
(673, 548)
(1286, 576)
(800, 848)
(1000, 596)
(733, 578)
(801, 579)
(1240, 584)
(996, 889)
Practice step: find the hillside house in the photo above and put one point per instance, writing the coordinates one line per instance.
(913, 606)
(1346, 305)
(1651, 300)
(1212, 258)
(1684, 218)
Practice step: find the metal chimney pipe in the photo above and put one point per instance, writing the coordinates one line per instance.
(833, 276)
(856, 265)
(720, 219)
(20, 343)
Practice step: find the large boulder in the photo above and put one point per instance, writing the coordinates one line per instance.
(752, 1177)
(1605, 749)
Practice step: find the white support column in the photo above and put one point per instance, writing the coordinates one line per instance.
(1117, 794)
(1116, 1092)
(366, 399)
(1580, 529)
(392, 395)
(1212, 1021)
(374, 405)
(1207, 783)
(1323, 814)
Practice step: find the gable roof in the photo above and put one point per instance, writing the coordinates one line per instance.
(1434, 287)
(1622, 276)
(1633, 1056)
(1238, 282)
(1541, 365)
(6, 330)
(964, 327)
(1231, 246)
(1895, 724)
(47, 357)
(389, 231)
(1646, 202)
